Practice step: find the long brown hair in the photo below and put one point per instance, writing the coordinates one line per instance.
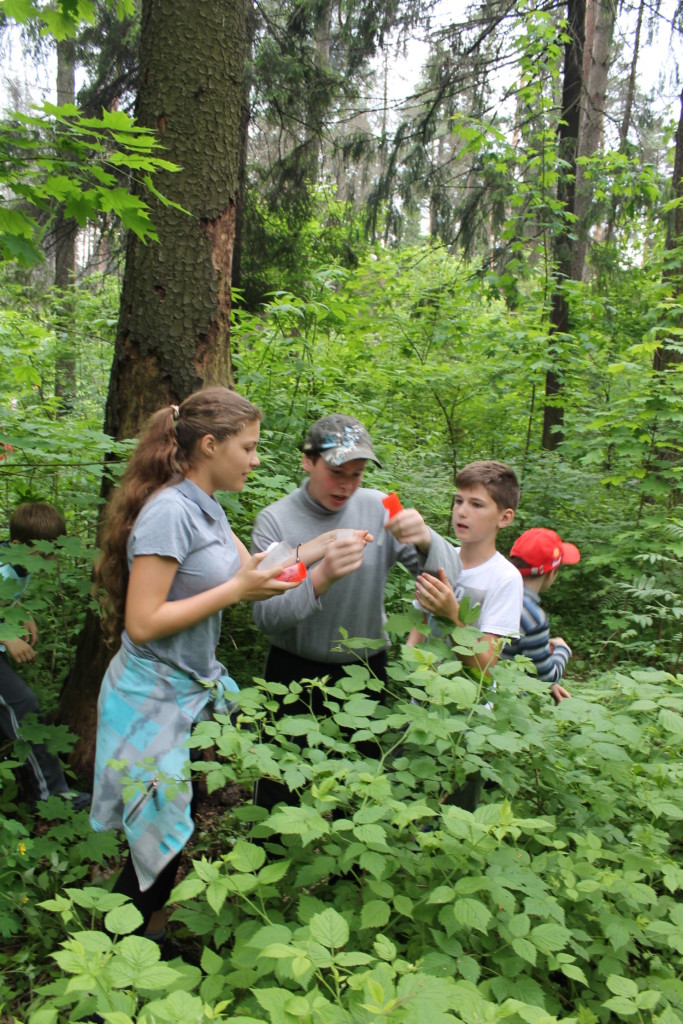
(166, 451)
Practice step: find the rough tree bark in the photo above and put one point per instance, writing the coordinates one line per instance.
(63, 236)
(666, 356)
(596, 67)
(567, 140)
(174, 320)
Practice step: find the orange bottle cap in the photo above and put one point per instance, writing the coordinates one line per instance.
(392, 504)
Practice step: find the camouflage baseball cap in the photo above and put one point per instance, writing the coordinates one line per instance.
(339, 439)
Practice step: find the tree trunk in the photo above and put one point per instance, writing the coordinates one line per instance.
(597, 61)
(628, 113)
(245, 120)
(64, 234)
(666, 357)
(567, 140)
(174, 319)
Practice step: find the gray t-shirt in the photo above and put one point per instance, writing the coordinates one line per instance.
(183, 522)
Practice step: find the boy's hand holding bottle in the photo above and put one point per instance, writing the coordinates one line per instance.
(406, 524)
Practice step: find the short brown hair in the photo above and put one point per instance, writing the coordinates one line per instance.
(496, 478)
(36, 520)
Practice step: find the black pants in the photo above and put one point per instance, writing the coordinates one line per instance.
(286, 668)
(156, 896)
(17, 700)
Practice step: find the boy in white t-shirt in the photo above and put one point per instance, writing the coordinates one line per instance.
(485, 502)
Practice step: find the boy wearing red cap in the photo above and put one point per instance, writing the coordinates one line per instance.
(538, 554)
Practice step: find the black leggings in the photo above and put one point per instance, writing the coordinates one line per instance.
(283, 667)
(156, 896)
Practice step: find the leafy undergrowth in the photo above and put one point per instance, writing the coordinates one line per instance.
(555, 901)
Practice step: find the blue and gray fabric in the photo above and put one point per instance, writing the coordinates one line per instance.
(146, 711)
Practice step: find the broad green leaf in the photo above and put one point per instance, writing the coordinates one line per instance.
(472, 913)
(246, 856)
(549, 937)
(375, 914)
(525, 949)
(621, 1005)
(621, 986)
(574, 972)
(123, 920)
(384, 948)
(329, 929)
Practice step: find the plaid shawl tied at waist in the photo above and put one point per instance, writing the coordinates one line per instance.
(145, 714)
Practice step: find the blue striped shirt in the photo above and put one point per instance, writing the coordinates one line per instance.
(534, 641)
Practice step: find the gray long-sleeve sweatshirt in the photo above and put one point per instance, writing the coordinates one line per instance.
(302, 624)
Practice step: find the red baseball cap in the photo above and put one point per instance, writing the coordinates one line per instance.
(544, 550)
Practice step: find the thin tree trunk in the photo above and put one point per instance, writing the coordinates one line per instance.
(665, 357)
(567, 140)
(597, 61)
(64, 233)
(628, 112)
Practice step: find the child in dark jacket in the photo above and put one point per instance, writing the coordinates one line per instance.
(30, 522)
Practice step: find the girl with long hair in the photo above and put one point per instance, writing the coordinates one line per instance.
(169, 565)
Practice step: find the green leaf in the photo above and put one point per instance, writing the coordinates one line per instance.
(375, 914)
(246, 856)
(384, 948)
(137, 963)
(574, 972)
(217, 892)
(441, 894)
(549, 937)
(187, 889)
(305, 822)
(671, 721)
(211, 962)
(329, 929)
(621, 986)
(123, 920)
(621, 1005)
(274, 872)
(519, 925)
(403, 905)
(472, 913)
(525, 949)
(18, 10)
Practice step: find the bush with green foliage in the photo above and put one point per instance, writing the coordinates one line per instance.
(555, 901)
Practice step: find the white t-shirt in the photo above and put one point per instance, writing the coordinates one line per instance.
(497, 587)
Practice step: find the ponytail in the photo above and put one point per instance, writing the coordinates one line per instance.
(165, 452)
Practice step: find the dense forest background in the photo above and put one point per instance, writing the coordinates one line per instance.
(483, 260)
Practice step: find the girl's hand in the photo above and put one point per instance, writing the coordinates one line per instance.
(31, 632)
(254, 584)
(435, 594)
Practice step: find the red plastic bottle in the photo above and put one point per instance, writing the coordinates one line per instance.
(392, 504)
(293, 573)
